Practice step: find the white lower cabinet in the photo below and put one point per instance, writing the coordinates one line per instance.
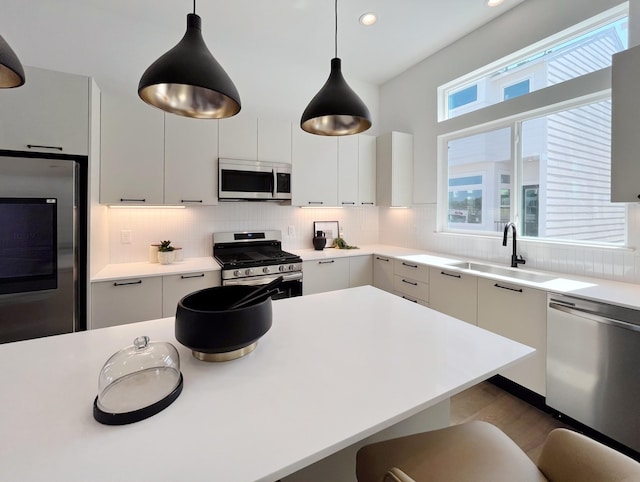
(360, 271)
(454, 293)
(411, 281)
(125, 301)
(175, 287)
(325, 275)
(519, 313)
(383, 272)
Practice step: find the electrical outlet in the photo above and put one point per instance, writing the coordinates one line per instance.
(291, 230)
(125, 236)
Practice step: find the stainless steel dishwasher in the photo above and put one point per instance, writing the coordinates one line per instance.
(593, 365)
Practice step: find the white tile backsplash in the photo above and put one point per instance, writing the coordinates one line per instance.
(191, 228)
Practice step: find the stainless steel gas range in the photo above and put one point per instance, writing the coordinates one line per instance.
(255, 258)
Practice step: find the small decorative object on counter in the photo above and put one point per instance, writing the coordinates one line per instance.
(137, 382)
(342, 244)
(153, 253)
(165, 252)
(319, 241)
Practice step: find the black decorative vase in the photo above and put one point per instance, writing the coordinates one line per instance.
(319, 241)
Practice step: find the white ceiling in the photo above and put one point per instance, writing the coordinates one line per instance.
(115, 40)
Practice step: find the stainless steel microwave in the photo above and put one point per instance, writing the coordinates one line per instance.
(253, 180)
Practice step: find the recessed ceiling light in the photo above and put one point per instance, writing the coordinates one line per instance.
(368, 18)
(494, 3)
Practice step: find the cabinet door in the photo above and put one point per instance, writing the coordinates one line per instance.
(454, 293)
(394, 169)
(325, 275)
(518, 313)
(348, 171)
(125, 301)
(625, 138)
(366, 170)
(274, 140)
(49, 113)
(131, 151)
(314, 169)
(239, 137)
(383, 272)
(360, 271)
(190, 161)
(176, 287)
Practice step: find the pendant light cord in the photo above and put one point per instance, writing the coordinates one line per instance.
(194, 7)
(336, 32)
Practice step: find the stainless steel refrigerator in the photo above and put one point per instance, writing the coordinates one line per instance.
(43, 239)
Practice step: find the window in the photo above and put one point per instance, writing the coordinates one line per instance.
(516, 90)
(547, 168)
(569, 55)
(463, 97)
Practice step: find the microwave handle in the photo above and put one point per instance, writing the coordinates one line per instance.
(274, 183)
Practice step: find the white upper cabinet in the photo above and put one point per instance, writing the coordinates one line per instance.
(49, 113)
(131, 152)
(366, 170)
(274, 140)
(239, 137)
(314, 172)
(348, 171)
(190, 161)
(625, 130)
(394, 162)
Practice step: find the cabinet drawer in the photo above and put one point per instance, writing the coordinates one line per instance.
(411, 298)
(125, 301)
(411, 287)
(415, 271)
(175, 287)
(324, 275)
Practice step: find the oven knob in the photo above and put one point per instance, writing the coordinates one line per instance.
(291, 267)
(248, 271)
(237, 272)
(265, 270)
(282, 267)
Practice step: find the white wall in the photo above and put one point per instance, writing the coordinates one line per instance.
(408, 103)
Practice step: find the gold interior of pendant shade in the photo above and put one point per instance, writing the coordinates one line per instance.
(11, 70)
(190, 101)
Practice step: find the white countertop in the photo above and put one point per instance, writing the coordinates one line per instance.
(334, 368)
(144, 269)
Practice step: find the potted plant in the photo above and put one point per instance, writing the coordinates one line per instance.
(165, 252)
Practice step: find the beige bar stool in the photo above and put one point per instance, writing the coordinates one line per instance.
(480, 452)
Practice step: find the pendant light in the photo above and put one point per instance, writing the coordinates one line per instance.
(336, 110)
(11, 71)
(188, 81)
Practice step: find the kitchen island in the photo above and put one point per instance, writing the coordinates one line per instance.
(334, 369)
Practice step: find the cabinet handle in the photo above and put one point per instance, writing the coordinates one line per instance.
(139, 282)
(128, 200)
(201, 275)
(349, 203)
(452, 275)
(410, 265)
(35, 146)
(315, 202)
(327, 262)
(413, 283)
(382, 259)
(371, 204)
(413, 301)
(518, 290)
(191, 200)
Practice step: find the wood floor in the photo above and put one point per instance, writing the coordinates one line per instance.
(525, 424)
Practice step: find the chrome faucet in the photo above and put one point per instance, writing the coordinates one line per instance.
(515, 259)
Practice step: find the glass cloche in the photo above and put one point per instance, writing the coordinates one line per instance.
(138, 382)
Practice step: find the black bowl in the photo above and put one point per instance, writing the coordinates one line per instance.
(214, 333)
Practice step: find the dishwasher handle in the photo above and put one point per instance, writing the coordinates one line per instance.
(593, 316)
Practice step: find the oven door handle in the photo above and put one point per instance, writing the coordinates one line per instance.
(259, 280)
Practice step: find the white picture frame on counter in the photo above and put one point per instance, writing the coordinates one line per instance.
(330, 229)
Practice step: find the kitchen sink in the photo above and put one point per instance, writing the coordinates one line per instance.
(506, 272)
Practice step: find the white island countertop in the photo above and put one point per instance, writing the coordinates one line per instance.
(334, 368)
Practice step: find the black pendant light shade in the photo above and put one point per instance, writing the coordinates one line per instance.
(336, 110)
(11, 71)
(188, 80)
